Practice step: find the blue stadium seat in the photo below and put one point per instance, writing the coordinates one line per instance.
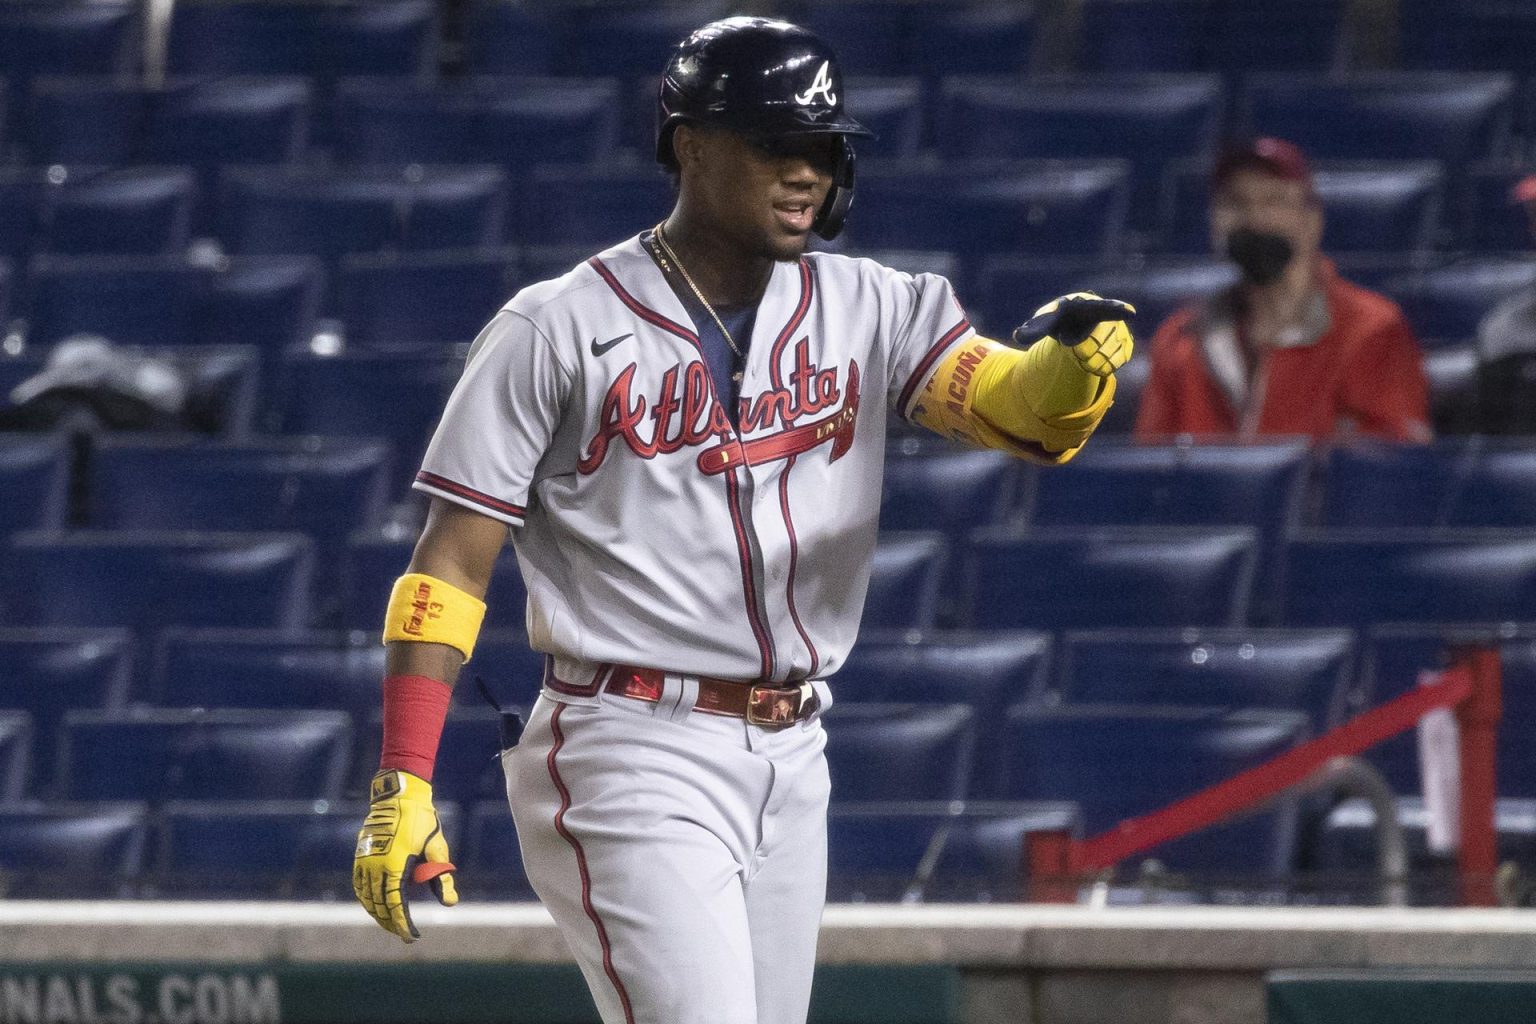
(1161, 287)
(1454, 482)
(374, 561)
(324, 488)
(455, 208)
(355, 37)
(981, 38)
(880, 852)
(1075, 577)
(1394, 658)
(34, 477)
(1146, 120)
(906, 580)
(208, 122)
(82, 121)
(1487, 219)
(1473, 35)
(269, 302)
(24, 197)
(1143, 35)
(980, 857)
(1376, 207)
(900, 751)
(1296, 35)
(7, 287)
(1118, 762)
(1346, 846)
(319, 213)
(629, 40)
(146, 581)
(1259, 485)
(15, 754)
(513, 122)
(74, 37)
(988, 671)
(395, 395)
(597, 205)
(892, 108)
(508, 39)
(492, 862)
(73, 851)
(132, 300)
(1006, 289)
(871, 37)
(434, 298)
(134, 210)
(263, 848)
(1385, 115)
(915, 261)
(1448, 302)
(205, 755)
(933, 484)
(51, 671)
(1356, 577)
(1311, 671)
(1047, 208)
(245, 668)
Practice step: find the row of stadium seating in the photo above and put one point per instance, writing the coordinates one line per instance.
(402, 37)
(1322, 675)
(974, 209)
(882, 851)
(1456, 118)
(331, 488)
(1046, 577)
(446, 296)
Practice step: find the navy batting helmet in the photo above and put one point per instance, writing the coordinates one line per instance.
(765, 79)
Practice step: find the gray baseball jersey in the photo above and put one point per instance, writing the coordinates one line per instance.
(650, 529)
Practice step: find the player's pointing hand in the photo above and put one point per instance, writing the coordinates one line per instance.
(1096, 330)
(401, 838)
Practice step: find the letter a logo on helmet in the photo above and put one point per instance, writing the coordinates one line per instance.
(821, 86)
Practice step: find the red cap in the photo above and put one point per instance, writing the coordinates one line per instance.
(1272, 156)
(1524, 190)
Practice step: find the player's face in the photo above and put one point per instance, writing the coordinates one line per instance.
(762, 194)
(1263, 202)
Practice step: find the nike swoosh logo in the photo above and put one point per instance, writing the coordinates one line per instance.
(599, 349)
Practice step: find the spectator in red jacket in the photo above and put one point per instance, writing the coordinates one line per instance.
(1292, 348)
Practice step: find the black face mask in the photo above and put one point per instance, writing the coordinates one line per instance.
(1261, 256)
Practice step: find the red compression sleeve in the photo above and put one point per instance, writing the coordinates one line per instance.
(415, 708)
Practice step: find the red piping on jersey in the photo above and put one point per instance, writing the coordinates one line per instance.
(744, 556)
(470, 494)
(807, 286)
(581, 865)
(928, 360)
(644, 312)
(794, 553)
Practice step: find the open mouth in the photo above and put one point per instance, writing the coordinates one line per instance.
(796, 214)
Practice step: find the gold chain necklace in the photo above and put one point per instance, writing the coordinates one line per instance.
(661, 239)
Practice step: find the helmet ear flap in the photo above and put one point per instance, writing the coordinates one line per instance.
(834, 209)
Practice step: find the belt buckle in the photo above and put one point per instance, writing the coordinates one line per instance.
(773, 706)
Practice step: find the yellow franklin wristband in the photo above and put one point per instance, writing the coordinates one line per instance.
(424, 609)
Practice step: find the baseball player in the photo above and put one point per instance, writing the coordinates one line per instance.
(686, 435)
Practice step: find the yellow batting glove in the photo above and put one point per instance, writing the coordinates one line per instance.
(400, 838)
(1093, 329)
